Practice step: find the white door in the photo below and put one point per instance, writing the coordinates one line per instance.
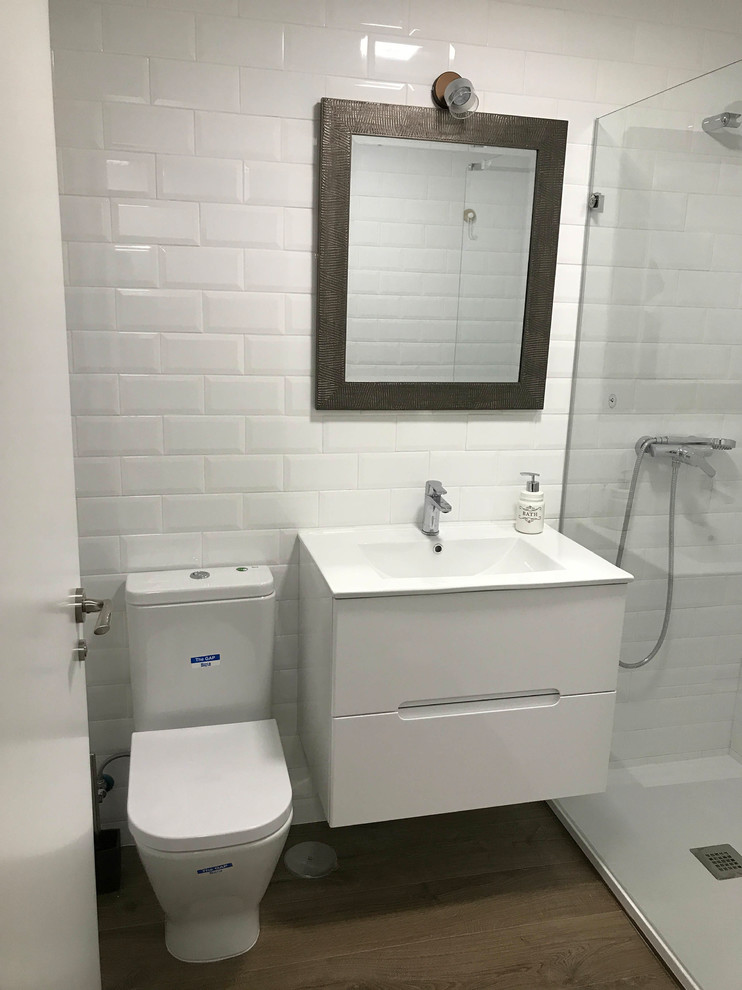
(48, 938)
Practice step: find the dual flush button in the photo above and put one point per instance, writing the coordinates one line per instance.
(200, 575)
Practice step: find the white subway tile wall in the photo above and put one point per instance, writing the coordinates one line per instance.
(657, 356)
(187, 134)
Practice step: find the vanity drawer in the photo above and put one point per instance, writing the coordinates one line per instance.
(388, 766)
(395, 650)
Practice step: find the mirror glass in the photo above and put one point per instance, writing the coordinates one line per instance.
(438, 250)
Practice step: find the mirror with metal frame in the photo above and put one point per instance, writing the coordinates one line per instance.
(437, 254)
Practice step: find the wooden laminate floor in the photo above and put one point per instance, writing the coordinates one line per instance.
(500, 898)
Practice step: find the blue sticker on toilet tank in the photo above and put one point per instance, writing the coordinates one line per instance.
(215, 869)
(207, 660)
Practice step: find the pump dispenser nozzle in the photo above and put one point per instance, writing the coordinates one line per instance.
(532, 485)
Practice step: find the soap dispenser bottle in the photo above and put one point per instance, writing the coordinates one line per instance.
(529, 513)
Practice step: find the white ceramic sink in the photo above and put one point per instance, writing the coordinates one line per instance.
(391, 560)
(456, 558)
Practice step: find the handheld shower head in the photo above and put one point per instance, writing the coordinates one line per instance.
(715, 443)
(721, 443)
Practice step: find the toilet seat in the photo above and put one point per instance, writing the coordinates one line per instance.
(207, 786)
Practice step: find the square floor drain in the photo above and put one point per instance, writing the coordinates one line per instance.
(722, 862)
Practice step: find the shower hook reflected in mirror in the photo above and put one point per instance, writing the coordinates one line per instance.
(470, 218)
(720, 121)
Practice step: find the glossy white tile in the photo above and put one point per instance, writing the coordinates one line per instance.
(359, 433)
(259, 473)
(243, 312)
(321, 472)
(281, 509)
(192, 353)
(405, 60)
(340, 53)
(147, 394)
(90, 308)
(244, 394)
(155, 222)
(224, 135)
(299, 313)
(199, 179)
(85, 218)
(110, 436)
(284, 434)
(98, 476)
(298, 141)
(170, 475)
(220, 549)
(158, 309)
(152, 32)
(94, 395)
(100, 76)
(113, 264)
(165, 129)
(289, 11)
(566, 77)
(204, 434)
(202, 267)
(242, 226)
(281, 184)
(277, 355)
(299, 230)
(267, 271)
(119, 515)
(222, 7)
(78, 124)
(103, 173)
(100, 555)
(257, 43)
(393, 470)
(77, 26)
(198, 513)
(195, 85)
(162, 551)
(101, 351)
(384, 15)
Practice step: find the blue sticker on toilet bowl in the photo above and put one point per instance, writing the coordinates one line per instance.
(207, 660)
(215, 869)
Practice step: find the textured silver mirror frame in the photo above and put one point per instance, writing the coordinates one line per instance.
(339, 121)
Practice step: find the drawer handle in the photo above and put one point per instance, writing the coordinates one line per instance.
(473, 706)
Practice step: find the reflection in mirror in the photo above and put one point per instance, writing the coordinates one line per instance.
(438, 251)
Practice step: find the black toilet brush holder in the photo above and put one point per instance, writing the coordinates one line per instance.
(107, 845)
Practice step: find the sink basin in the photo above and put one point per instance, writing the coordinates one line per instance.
(457, 558)
(392, 560)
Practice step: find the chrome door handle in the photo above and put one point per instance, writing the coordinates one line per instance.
(84, 606)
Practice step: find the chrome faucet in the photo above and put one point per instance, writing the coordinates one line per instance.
(433, 506)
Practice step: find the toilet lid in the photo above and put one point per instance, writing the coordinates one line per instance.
(207, 786)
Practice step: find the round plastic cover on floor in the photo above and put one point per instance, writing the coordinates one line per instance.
(311, 860)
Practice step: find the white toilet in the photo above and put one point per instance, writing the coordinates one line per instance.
(209, 793)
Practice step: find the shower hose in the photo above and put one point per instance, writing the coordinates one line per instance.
(670, 549)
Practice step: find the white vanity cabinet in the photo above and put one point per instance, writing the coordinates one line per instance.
(438, 701)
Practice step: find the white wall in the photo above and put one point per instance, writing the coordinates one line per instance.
(186, 131)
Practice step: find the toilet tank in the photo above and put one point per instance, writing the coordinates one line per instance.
(201, 646)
